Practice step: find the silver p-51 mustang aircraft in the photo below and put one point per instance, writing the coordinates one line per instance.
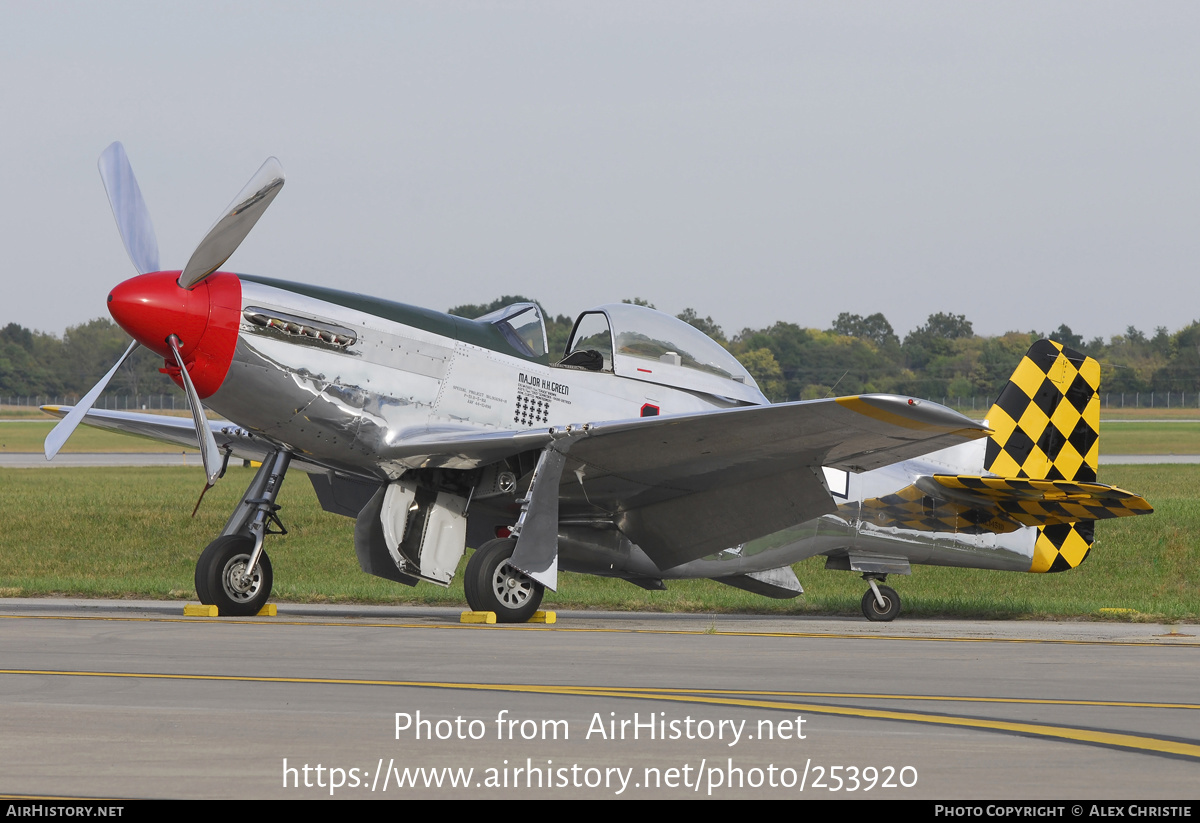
(646, 452)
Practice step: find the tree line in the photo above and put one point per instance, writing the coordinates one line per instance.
(941, 358)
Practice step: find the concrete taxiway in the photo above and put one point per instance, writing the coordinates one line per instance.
(134, 700)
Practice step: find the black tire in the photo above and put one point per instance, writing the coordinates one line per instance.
(215, 582)
(492, 585)
(881, 614)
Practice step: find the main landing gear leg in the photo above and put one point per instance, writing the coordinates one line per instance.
(508, 576)
(881, 603)
(234, 573)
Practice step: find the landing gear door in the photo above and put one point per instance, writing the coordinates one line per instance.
(445, 538)
(425, 531)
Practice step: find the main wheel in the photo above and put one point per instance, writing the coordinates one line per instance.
(493, 585)
(221, 580)
(885, 613)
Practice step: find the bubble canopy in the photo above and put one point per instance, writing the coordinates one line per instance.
(644, 344)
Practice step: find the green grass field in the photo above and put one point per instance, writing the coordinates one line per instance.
(1153, 436)
(126, 532)
(27, 436)
(1150, 437)
(21, 413)
(1117, 413)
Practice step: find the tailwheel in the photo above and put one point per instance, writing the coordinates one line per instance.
(221, 578)
(876, 611)
(493, 585)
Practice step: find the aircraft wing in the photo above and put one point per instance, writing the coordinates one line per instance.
(688, 485)
(182, 432)
(685, 486)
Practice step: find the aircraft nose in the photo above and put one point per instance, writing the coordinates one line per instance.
(151, 307)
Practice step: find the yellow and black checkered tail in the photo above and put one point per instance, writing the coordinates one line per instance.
(1047, 427)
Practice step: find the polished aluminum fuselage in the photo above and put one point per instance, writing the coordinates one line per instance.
(349, 408)
(358, 410)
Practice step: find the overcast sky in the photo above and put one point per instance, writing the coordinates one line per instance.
(1024, 164)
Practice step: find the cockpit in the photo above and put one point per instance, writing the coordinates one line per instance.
(644, 344)
(631, 341)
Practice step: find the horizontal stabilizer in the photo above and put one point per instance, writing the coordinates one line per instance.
(973, 504)
(1042, 502)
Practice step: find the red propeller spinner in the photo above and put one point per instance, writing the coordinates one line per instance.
(151, 307)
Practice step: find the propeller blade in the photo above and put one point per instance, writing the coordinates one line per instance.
(133, 219)
(209, 452)
(231, 229)
(59, 434)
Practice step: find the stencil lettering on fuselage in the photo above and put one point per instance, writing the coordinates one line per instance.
(480, 399)
(534, 397)
(477, 391)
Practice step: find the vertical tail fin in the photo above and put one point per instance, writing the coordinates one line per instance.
(1047, 427)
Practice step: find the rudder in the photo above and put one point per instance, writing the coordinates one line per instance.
(1046, 426)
